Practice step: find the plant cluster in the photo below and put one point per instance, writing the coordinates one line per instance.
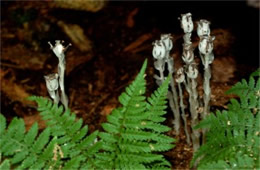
(133, 138)
(186, 75)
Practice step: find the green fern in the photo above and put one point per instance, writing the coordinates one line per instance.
(63, 144)
(233, 138)
(249, 92)
(134, 135)
(239, 162)
(133, 138)
(76, 146)
(22, 149)
(5, 165)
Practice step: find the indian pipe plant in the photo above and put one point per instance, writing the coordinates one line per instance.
(187, 76)
(134, 136)
(218, 138)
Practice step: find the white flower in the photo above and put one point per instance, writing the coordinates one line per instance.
(167, 40)
(203, 28)
(206, 44)
(186, 23)
(188, 56)
(59, 49)
(192, 71)
(180, 76)
(159, 50)
(52, 82)
(159, 65)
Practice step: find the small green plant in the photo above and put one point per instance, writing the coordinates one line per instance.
(64, 143)
(24, 148)
(134, 133)
(232, 141)
(132, 139)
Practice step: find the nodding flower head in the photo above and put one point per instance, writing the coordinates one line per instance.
(186, 23)
(167, 40)
(180, 76)
(203, 28)
(59, 49)
(188, 56)
(159, 65)
(192, 71)
(206, 44)
(159, 49)
(52, 82)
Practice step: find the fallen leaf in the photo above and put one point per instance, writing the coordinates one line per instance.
(137, 43)
(107, 109)
(77, 36)
(14, 91)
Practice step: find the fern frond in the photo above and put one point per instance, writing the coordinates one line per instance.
(132, 139)
(233, 138)
(2, 125)
(20, 147)
(244, 88)
(156, 104)
(70, 132)
(239, 162)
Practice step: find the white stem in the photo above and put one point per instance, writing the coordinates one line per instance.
(193, 100)
(183, 115)
(174, 96)
(206, 96)
(175, 108)
(161, 76)
(176, 120)
(52, 94)
(57, 98)
(207, 91)
(61, 71)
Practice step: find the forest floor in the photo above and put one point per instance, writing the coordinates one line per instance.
(108, 49)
